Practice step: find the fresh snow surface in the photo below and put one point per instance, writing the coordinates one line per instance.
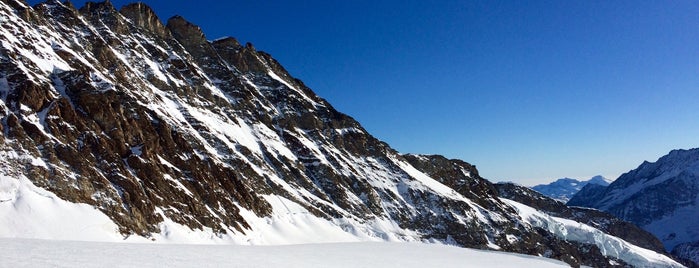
(32, 212)
(27, 211)
(610, 246)
(51, 253)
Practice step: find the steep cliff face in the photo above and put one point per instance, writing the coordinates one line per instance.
(151, 123)
(78, 87)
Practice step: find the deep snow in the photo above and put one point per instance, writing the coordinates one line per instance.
(28, 212)
(52, 253)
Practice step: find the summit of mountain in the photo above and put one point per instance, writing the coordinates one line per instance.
(141, 130)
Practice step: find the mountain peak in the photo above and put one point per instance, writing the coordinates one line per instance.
(250, 46)
(177, 135)
(143, 16)
(599, 180)
(227, 41)
(102, 7)
(565, 188)
(53, 2)
(69, 4)
(98, 13)
(186, 32)
(685, 155)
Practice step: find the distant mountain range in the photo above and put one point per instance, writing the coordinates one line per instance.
(565, 188)
(661, 197)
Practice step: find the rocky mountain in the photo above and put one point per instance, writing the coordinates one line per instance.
(661, 197)
(589, 194)
(565, 188)
(171, 136)
(598, 219)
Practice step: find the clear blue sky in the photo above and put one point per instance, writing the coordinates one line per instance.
(529, 91)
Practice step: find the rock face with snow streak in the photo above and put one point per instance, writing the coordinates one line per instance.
(661, 197)
(152, 123)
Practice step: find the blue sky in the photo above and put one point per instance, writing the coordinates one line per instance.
(529, 91)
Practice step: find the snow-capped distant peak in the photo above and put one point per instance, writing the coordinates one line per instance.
(599, 180)
(565, 188)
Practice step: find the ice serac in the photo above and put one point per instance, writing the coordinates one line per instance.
(662, 197)
(601, 220)
(606, 231)
(168, 133)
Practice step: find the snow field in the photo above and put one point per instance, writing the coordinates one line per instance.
(50, 253)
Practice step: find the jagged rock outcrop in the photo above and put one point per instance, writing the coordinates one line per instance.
(142, 16)
(153, 123)
(457, 174)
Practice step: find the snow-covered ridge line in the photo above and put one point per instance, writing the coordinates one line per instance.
(655, 173)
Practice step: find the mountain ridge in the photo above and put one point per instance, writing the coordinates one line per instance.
(662, 197)
(157, 127)
(565, 188)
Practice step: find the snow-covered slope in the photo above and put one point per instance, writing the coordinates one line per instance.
(137, 130)
(31, 205)
(565, 188)
(27, 211)
(609, 245)
(601, 220)
(32, 212)
(44, 253)
(661, 197)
